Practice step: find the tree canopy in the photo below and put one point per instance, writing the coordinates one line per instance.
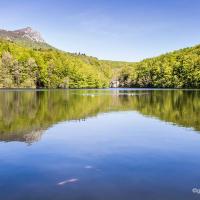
(23, 67)
(178, 69)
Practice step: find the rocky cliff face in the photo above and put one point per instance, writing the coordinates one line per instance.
(26, 33)
(30, 34)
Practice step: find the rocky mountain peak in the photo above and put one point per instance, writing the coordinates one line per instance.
(30, 34)
(25, 30)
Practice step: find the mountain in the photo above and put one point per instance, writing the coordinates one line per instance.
(25, 36)
(30, 34)
(26, 60)
(25, 33)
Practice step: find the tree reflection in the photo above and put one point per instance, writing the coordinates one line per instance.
(25, 114)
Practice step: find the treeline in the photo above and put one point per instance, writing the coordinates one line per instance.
(28, 67)
(179, 69)
(22, 67)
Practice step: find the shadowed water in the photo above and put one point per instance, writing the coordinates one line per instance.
(99, 144)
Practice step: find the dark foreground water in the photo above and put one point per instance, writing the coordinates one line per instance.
(100, 145)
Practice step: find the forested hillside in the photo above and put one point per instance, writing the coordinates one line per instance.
(23, 67)
(178, 69)
(27, 61)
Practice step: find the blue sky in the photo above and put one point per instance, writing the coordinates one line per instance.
(128, 30)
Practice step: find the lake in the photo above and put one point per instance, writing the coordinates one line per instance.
(99, 144)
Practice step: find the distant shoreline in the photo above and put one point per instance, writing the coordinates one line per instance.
(50, 89)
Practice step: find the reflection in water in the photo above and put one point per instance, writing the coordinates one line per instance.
(24, 115)
(110, 156)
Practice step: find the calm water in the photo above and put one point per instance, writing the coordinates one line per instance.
(99, 145)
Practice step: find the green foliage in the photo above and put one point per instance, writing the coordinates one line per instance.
(25, 66)
(49, 68)
(179, 69)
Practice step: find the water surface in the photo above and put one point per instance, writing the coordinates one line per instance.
(99, 144)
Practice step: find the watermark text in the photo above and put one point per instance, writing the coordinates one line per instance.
(196, 190)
